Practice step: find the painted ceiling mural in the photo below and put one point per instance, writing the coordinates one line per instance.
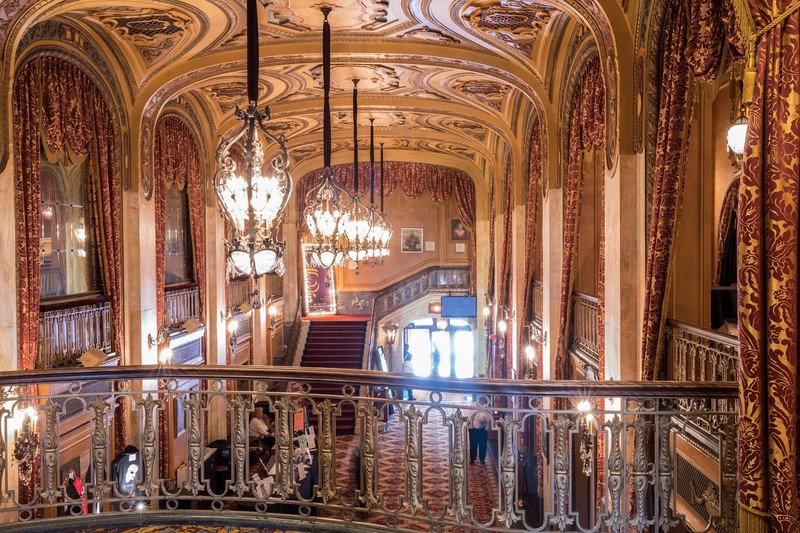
(459, 77)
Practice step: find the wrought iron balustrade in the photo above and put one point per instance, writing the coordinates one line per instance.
(65, 334)
(181, 304)
(407, 466)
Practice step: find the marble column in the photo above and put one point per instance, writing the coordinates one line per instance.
(625, 256)
(8, 264)
(216, 327)
(260, 324)
(552, 251)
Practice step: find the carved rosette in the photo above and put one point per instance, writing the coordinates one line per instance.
(327, 451)
(369, 461)
(284, 471)
(563, 425)
(458, 465)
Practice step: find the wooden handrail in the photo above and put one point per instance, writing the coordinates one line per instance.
(709, 334)
(582, 296)
(638, 389)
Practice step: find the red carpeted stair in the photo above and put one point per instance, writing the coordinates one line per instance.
(336, 344)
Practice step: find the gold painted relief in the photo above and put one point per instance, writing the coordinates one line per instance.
(153, 32)
(516, 23)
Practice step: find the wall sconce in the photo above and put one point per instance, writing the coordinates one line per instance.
(233, 328)
(272, 311)
(390, 331)
(487, 314)
(27, 441)
(502, 328)
(161, 340)
(584, 423)
(537, 337)
(435, 307)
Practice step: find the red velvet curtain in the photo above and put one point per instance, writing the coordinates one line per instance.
(55, 103)
(693, 37)
(586, 133)
(768, 282)
(176, 163)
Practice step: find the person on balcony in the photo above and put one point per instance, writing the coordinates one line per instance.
(258, 430)
(436, 360)
(479, 432)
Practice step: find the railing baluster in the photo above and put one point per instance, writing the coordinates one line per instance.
(563, 425)
(458, 464)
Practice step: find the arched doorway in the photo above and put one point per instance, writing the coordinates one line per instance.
(453, 340)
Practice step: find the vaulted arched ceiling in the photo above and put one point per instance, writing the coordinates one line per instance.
(461, 79)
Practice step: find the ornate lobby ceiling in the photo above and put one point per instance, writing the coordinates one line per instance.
(453, 81)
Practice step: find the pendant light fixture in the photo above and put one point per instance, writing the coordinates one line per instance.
(378, 238)
(324, 213)
(252, 189)
(358, 224)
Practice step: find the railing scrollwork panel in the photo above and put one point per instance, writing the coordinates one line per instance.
(405, 466)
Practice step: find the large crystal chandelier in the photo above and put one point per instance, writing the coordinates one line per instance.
(359, 220)
(253, 189)
(324, 213)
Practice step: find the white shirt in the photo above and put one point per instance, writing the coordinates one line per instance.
(481, 419)
(408, 366)
(257, 428)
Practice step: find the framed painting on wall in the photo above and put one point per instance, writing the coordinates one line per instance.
(411, 240)
(458, 231)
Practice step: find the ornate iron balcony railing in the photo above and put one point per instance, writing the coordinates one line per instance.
(181, 304)
(67, 333)
(407, 465)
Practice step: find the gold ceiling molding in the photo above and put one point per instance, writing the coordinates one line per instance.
(301, 16)
(372, 77)
(426, 33)
(513, 22)
(153, 32)
(486, 91)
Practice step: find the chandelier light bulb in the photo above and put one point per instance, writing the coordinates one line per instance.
(233, 326)
(165, 355)
(486, 311)
(737, 135)
(502, 327)
(529, 353)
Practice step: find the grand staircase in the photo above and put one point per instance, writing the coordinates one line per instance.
(336, 344)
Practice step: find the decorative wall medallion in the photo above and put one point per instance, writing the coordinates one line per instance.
(488, 92)
(152, 31)
(429, 34)
(515, 22)
(303, 15)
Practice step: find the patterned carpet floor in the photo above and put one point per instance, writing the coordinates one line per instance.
(482, 480)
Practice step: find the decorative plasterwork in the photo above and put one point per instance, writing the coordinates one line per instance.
(488, 92)
(514, 22)
(429, 34)
(472, 129)
(371, 77)
(153, 32)
(298, 16)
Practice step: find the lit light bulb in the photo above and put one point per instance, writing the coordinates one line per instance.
(737, 135)
(502, 327)
(233, 325)
(165, 356)
(272, 310)
(486, 311)
(529, 353)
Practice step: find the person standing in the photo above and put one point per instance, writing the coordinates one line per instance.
(436, 359)
(479, 432)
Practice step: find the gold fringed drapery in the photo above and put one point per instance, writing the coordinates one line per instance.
(176, 163)
(586, 133)
(768, 280)
(504, 364)
(55, 103)
(693, 37)
(531, 216)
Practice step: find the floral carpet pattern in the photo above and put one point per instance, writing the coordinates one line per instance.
(482, 482)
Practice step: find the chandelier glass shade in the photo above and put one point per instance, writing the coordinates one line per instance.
(253, 188)
(359, 218)
(325, 214)
(326, 221)
(737, 135)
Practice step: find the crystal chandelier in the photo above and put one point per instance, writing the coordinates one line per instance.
(324, 213)
(359, 220)
(251, 188)
(381, 232)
